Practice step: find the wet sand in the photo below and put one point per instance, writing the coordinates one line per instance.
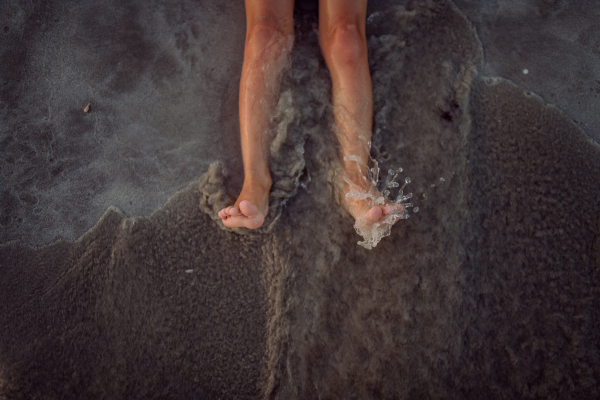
(491, 290)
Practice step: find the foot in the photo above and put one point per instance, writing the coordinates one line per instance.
(374, 217)
(370, 209)
(364, 202)
(251, 207)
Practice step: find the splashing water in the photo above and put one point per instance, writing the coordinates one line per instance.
(373, 232)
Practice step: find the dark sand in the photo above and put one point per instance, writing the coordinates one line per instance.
(490, 291)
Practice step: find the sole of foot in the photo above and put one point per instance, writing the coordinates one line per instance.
(243, 215)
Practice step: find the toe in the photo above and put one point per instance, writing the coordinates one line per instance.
(392, 208)
(241, 221)
(233, 222)
(233, 211)
(248, 209)
(374, 214)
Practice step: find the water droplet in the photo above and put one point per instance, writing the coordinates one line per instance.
(400, 169)
(386, 192)
(424, 196)
(404, 198)
(432, 185)
(407, 180)
(408, 205)
(393, 184)
(390, 172)
(416, 209)
(442, 180)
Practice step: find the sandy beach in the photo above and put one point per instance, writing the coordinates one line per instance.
(118, 280)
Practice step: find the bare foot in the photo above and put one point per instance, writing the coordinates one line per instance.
(251, 207)
(365, 203)
(374, 216)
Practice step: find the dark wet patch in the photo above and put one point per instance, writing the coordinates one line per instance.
(125, 51)
(28, 200)
(14, 51)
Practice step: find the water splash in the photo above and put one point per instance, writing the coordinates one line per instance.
(373, 232)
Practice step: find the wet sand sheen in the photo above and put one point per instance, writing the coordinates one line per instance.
(491, 290)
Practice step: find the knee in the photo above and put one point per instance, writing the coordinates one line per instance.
(264, 30)
(344, 44)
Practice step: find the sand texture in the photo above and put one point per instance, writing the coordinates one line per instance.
(489, 291)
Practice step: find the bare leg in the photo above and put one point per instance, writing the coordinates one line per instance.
(269, 37)
(343, 43)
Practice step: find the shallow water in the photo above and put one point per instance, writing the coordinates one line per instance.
(491, 292)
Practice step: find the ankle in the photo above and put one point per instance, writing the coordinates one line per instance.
(254, 179)
(355, 177)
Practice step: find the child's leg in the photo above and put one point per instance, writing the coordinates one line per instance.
(269, 37)
(344, 46)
